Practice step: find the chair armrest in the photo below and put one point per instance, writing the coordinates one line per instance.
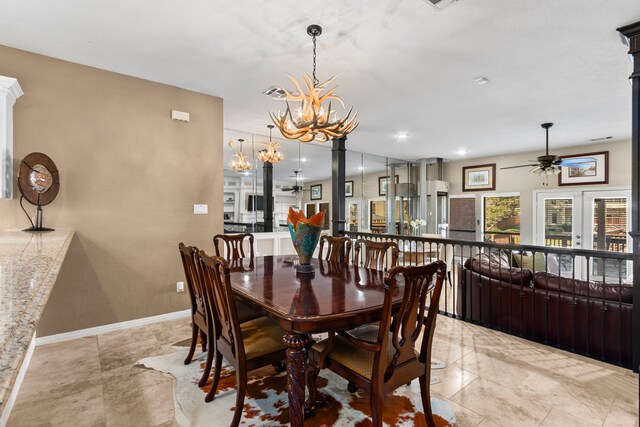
(363, 344)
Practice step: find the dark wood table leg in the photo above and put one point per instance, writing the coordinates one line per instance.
(296, 375)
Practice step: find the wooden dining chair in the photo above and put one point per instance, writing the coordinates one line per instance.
(381, 358)
(234, 246)
(201, 319)
(334, 248)
(231, 247)
(375, 254)
(246, 346)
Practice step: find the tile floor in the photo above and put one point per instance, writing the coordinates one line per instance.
(491, 379)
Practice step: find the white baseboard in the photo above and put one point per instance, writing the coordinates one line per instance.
(89, 332)
(4, 417)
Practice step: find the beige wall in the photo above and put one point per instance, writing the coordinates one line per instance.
(129, 178)
(527, 184)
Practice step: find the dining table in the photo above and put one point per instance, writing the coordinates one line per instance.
(335, 296)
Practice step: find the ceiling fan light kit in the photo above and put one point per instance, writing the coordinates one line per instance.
(311, 120)
(549, 164)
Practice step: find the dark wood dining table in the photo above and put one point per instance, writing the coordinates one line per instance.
(334, 297)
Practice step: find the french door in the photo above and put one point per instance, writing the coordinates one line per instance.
(596, 220)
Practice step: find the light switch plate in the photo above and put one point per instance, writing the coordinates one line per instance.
(200, 209)
(179, 286)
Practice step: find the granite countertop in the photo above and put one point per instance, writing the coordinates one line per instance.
(29, 266)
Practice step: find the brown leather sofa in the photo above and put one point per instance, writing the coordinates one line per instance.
(588, 318)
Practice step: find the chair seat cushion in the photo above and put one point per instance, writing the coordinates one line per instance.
(261, 336)
(354, 358)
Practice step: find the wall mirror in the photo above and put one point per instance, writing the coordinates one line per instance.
(306, 167)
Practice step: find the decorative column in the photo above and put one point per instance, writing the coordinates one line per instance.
(632, 32)
(10, 90)
(338, 177)
(267, 194)
(422, 189)
(391, 201)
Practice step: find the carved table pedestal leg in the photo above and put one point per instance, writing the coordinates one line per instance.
(296, 375)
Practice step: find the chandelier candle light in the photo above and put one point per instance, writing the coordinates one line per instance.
(311, 121)
(271, 154)
(241, 164)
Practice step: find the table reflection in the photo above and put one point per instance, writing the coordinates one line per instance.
(305, 301)
(242, 265)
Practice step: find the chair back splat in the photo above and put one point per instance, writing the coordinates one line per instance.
(375, 254)
(410, 320)
(189, 256)
(202, 319)
(334, 248)
(233, 247)
(220, 300)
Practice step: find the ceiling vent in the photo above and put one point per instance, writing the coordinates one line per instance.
(440, 4)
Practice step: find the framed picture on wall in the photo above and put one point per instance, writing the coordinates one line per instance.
(348, 189)
(594, 170)
(316, 192)
(479, 178)
(383, 184)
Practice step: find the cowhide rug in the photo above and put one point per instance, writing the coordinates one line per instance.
(266, 399)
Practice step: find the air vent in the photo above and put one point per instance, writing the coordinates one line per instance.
(440, 4)
(275, 92)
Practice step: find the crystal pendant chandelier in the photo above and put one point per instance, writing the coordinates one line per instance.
(311, 121)
(241, 164)
(271, 154)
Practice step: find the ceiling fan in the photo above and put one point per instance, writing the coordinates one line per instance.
(550, 164)
(295, 189)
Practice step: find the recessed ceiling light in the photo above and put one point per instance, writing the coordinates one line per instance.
(462, 152)
(601, 139)
(401, 136)
(303, 159)
(482, 80)
(361, 168)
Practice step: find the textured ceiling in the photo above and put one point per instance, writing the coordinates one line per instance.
(406, 66)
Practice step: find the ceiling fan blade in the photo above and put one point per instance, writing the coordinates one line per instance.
(576, 161)
(520, 166)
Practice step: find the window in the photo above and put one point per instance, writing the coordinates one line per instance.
(501, 219)
(462, 218)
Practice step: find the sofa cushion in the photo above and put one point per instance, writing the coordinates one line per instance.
(496, 266)
(555, 283)
(542, 263)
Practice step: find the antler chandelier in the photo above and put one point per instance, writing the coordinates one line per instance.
(271, 154)
(311, 121)
(241, 164)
